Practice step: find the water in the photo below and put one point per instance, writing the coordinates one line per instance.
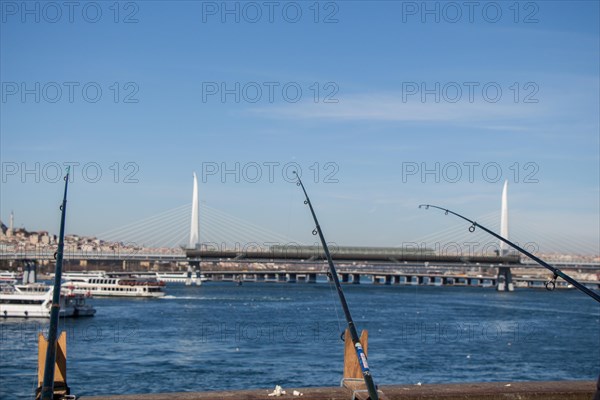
(221, 336)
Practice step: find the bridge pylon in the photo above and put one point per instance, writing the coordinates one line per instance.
(194, 273)
(504, 281)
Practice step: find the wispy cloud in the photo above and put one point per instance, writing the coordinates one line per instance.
(384, 107)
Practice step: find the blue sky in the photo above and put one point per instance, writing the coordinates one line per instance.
(379, 97)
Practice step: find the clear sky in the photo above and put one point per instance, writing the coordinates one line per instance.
(392, 103)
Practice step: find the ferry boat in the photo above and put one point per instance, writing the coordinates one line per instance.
(188, 278)
(101, 284)
(9, 278)
(35, 301)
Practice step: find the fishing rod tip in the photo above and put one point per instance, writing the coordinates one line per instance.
(297, 176)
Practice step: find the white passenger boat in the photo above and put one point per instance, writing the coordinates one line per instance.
(189, 277)
(9, 278)
(34, 300)
(101, 284)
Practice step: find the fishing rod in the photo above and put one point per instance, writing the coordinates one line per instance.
(360, 354)
(550, 285)
(47, 392)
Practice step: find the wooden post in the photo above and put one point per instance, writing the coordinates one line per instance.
(60, 374)
(353, 376)
(351, 366)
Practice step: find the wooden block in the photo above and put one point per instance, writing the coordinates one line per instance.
(351, 365)
(60, 368)
(353, 376)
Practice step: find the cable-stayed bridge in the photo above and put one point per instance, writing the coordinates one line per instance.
(231, 239)
(198, 233)
(170, 230)
(212, 229)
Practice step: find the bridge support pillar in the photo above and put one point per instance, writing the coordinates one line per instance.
(356, 279)
(312, 278)
(280, 277)
(291, 278)
(388, 279)
(504, 280)
(345, 278)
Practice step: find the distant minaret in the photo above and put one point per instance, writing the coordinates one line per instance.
(194, 231)
(11, 224)
(504, 220)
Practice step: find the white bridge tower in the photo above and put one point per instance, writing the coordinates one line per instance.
(194, 229)
(505, 282)
(193, 275)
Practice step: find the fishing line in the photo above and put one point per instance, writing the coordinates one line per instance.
(289, 217)
(47, 389)
(360, 354)
(551, 284)
(335, 305)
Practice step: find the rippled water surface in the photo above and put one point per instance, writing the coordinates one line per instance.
(221, 336)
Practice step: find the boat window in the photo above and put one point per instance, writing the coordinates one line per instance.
(19, 301)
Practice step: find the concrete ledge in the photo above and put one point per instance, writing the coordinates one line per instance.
(561, 390)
